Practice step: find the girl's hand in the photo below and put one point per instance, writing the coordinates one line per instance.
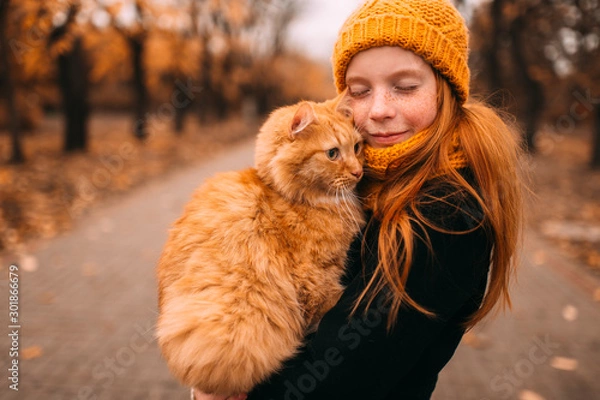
(198, 395)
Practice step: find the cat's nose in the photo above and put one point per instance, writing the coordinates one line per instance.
(358, 173)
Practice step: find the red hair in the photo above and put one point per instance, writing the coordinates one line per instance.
(493, 149)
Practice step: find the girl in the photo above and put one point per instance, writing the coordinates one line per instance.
(443, 197)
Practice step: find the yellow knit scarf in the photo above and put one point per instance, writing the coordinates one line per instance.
(379, 159)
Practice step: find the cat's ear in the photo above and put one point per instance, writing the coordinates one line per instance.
(343, 104)
(304, 116)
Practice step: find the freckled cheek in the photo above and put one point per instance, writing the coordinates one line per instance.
(358, 115)
(360, 111)
(422, 114)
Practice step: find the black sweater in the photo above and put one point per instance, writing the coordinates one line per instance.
(358, 358)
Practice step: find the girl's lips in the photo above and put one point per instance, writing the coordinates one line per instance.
(389, 138)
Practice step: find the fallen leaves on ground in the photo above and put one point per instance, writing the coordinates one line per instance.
(564, 363)
(570, 313)
(564, 207)
(28, 263)
(477, 341)
(29, 353)
(44, 196)
(530, 395)
(47, 298)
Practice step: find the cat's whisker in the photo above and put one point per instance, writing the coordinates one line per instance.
(338, 201)
(331, 193)
(343, 211)
(354, 199)
(347, 197)
(345, 208)
(357, 223)
(346, 201)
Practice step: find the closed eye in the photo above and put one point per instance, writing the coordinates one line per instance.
(333, 154)
(406, 88)
(357, 90)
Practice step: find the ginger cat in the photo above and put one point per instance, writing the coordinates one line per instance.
(256, 259)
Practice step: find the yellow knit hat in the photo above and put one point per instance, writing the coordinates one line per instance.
(432, 29)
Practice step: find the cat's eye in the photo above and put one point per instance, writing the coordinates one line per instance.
(358, 148)
(333, 154)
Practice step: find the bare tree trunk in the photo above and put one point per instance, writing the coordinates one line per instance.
(180, 117)
(493, 56)
(287, 11)
(182, 100)
(182, 107)
(533, 92)
(72, 71)
(73, 85)
(136, 45)
(595, 164)
(13, 112)
(221, 103)
(206, 96)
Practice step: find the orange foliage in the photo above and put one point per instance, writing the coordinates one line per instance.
(230, 36)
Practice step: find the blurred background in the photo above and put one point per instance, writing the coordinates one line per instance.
(98, 98)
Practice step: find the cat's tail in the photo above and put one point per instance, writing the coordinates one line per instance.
(227, 341)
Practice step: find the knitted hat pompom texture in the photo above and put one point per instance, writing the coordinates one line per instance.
(432, 29)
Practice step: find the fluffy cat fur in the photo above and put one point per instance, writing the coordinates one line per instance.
(256, 258)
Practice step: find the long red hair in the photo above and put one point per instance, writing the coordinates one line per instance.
(493, 150)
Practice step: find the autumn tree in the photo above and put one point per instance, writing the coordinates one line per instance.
(45, 39)
(275, 20)
(581, 44)
(536, 49)
(136, 39)
(493, 63)
(65, 40)
(183, 76)
(531, 101)
(240, 39)
(184, 70)
(8, 86)
(216, 54)
(504, 34)
(217, 23)
(132, 20)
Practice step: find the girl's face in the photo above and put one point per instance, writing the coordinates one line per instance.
(393, 94)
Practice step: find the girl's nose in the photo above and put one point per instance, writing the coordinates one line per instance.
(382, 106)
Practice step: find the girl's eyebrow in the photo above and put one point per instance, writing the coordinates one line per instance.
(407, 73)
(400, 73)
(355, 79)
